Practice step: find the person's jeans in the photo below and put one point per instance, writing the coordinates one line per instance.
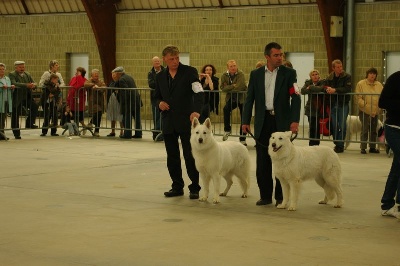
(339, 113)
(228, 108)
(392, 187)
(313, 121)
(134, 112)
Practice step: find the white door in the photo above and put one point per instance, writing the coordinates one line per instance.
(303, 63)
(79, 60)
(392, 63)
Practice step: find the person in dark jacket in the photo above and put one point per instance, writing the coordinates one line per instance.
(151, 79)
(179, 96)
(210, 83)
(50, 99)
(390, 101)
(314, 106)
(130, 102)
(22, 97)
(338, 85)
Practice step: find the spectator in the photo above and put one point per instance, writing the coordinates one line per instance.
(390, 100)
(314, 108)
(210, 83)
(130, 102)
(67, 121)
(50, 98)
(337, 85)
(76, 98)
(95, 88)
(151, 79)
(277, 108)
(22, 98)
(5, 99)
(179, 97)
(368, 109)
(53, 69)
(234, 84)
(114, 108)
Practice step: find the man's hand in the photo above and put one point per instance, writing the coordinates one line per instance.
(294, 127)
(246, 129)
(163, 106)
(193, 115)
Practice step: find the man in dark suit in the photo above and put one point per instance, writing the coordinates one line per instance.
(277, 108)
(179, 95)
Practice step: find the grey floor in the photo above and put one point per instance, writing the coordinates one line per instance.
(99, 201)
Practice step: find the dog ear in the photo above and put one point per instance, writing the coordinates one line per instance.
(195, 122)
(288, 134)
(207, 123)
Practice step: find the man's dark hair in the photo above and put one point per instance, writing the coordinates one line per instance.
(268, 47)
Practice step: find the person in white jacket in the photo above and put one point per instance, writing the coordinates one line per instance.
(368, 91)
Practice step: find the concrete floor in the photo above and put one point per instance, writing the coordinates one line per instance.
(99, 201)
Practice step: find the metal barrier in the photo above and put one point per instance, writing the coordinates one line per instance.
(94, 108)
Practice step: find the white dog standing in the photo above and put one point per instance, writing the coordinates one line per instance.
(215, 159)
(292, 165)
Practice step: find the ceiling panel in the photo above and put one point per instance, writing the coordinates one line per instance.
(15, 7)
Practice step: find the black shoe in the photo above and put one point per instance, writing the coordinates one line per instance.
(373, 150)
(55, 135)
(136, 137)
(338, 149)
(173, 193)
(17, 137)
(363, 151)
(261, 202)
(4, 138)
(124, 137)
(43, 135)
(277, 202)
(111, 135)
(194, 195)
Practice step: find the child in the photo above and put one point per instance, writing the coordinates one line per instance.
(50, 98)
(66, 121)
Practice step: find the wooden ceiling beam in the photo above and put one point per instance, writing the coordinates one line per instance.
(25, 7)
(334, 45)
(102, 17)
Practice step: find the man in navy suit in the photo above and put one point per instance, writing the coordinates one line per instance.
(277, 108)
(179, 96)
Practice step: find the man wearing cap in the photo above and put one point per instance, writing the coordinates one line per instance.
(179, 95)
(22, 97)
(130, 102)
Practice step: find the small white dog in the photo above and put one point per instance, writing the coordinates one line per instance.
(353, 127)
(292, 165)
(215, 159)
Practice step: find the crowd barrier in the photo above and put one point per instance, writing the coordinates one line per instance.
(92, 107)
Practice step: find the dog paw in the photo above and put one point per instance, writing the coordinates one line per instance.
(322, 202)
(280, 206)
(215, 201)
(291, 208)
(337, 206)
(222, 194)
(203, 199)
(244, 196)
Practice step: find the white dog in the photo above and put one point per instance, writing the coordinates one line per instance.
(292, 165)
(353, 127)
(215, 159)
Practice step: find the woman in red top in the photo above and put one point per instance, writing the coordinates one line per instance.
(76, 95)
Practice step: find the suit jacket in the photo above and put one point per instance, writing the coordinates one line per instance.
(179, 95)
(21, 91)
(286, 105)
